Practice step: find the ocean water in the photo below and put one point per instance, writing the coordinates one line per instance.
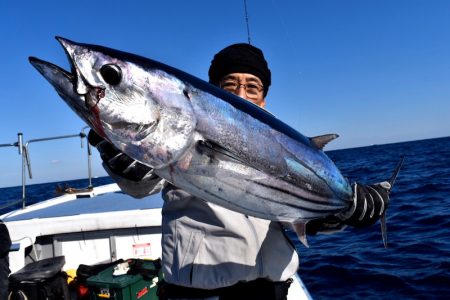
(353, 264)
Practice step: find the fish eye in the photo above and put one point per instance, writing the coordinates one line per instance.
(112, 74)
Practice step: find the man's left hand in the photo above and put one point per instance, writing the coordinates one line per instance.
(369, 203)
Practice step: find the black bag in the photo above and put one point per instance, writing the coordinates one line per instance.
(86, 271)
(40, 280)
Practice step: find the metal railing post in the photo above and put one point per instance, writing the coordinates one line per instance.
(89, 153)
(18, 144)
(26, 162)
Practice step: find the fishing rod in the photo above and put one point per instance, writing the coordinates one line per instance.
(246, 21)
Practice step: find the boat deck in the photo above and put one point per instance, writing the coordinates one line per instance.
(72, 205)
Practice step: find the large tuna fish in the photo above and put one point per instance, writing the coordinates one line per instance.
(200, 138)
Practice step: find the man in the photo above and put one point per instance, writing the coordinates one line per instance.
(209, 252)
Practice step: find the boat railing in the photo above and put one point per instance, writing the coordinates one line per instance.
(24, 151)
(19, 145)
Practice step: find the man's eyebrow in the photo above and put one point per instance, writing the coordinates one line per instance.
(254, 79)
(248, 79)
(230, 77)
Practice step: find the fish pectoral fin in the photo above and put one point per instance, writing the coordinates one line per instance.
(210, 146)
(300, 230)
(321, 140)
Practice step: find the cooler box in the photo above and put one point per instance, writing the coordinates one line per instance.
(141, 284)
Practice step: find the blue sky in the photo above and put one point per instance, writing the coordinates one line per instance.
(374, 72)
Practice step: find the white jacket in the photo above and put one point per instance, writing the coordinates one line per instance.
(207, 246)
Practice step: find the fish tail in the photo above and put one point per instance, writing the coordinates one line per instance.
(383, 216)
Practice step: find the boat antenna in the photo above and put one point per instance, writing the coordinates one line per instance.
(246, 22)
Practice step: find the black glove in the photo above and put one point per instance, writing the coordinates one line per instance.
(369, 203)
(118, 162)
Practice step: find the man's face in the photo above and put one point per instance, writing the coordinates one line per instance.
(246, 86)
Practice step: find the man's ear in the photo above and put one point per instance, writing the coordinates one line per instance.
(263, 103)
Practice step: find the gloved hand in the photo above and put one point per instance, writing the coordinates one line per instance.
(118, 162)
(369, 203)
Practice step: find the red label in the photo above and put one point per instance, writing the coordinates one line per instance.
(142, 250)
(141, 293)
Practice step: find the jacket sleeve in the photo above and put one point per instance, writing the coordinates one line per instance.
(327, 225)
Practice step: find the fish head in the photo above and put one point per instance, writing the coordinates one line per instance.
(128, 100)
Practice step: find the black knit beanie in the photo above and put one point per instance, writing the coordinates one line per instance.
(240, 58)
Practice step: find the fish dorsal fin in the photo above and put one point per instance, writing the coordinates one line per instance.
(321, 140)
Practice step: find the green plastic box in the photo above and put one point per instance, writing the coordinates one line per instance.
(125, 287)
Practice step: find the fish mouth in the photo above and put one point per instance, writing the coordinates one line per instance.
(51, 71)
(63, 82)
(67, 45)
